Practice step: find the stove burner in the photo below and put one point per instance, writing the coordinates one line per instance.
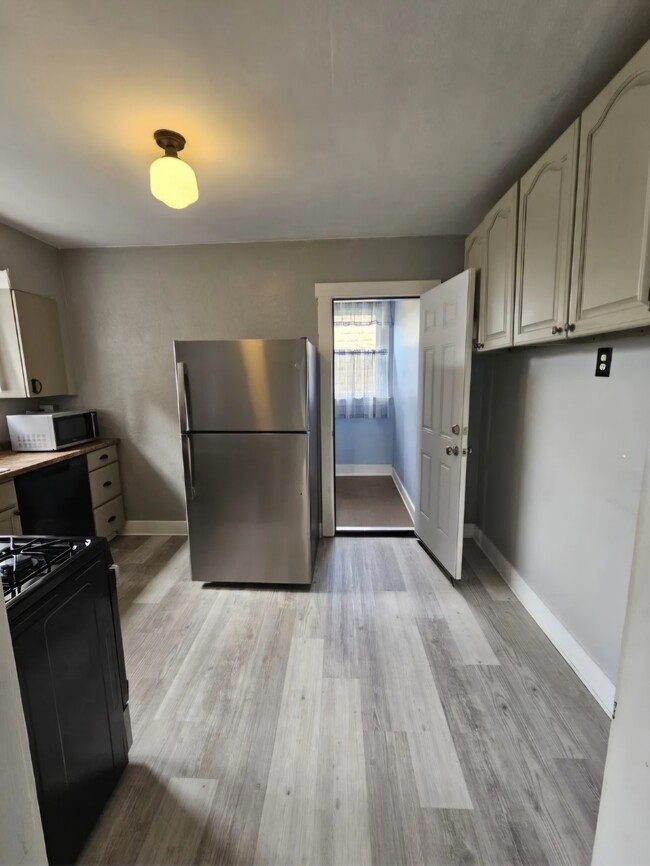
(25, 560)
(18, 565)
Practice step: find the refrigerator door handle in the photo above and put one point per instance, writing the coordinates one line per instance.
(188, 465)
(181, 388)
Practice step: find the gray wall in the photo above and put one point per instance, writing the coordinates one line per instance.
(363, 440)
(127, 305)
(561, 479)
(33, 267)
(404, 381)
(623, 831)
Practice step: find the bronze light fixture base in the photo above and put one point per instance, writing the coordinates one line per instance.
(170, 141)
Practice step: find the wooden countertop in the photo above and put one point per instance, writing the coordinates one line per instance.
(19, 462)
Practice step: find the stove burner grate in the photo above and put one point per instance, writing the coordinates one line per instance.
(26, 560)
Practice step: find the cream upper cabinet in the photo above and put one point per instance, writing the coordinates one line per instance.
(474, 248)
(12, 380)
(545, 236)
(498, 273)
(611, 267)
(32, 361)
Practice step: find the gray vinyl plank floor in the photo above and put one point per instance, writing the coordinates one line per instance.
(383, 716)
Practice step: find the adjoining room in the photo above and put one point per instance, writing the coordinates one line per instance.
(375, 410)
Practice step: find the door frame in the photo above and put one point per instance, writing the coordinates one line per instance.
(326, 294)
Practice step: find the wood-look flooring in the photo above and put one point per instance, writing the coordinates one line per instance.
(382, 716)
(370, 500)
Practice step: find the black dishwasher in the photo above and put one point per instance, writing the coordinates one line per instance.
(56, 500)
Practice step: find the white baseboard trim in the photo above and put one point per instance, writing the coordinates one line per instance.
(155, 527)
(363, 469)
(585, 667)
(408, 502)
(469, 530)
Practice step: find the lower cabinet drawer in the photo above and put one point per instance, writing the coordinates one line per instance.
(105, 484)
(7, 494)
(10, 522)
(102, 457)
(109, 517)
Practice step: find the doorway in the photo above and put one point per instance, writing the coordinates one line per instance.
(444, 351)
(375, 355)
(326, 294)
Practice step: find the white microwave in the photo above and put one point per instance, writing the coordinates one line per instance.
(52, 431)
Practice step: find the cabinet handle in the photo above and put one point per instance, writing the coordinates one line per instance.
(107, 483)
(557, 329)
(112, 519)
(16, 513)
(103, 456)
(37, 386)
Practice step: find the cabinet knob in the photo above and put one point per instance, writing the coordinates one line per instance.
(569, 327)
(557, 329)
(478, 345)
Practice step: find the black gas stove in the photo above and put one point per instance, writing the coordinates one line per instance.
(26, 561)
(61, 599)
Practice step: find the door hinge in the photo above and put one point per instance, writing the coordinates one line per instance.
(614, 710)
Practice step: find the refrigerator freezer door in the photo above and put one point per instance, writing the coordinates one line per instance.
(248, 507)
(243, 385)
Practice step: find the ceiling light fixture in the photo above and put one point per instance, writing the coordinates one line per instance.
(173, 181)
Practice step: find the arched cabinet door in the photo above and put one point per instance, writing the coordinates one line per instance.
(498, 273)
(611, 266)
(546, 211)
(474, 248)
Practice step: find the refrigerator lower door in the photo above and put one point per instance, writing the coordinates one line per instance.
(248, 507)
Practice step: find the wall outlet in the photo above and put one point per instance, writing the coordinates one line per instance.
(604, 361)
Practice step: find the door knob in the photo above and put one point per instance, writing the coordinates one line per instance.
(455, 429)
(455, 450)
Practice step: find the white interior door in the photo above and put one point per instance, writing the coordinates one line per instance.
(443, 417)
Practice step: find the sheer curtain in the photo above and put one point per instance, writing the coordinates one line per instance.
(362, 338)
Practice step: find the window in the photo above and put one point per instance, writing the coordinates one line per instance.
(362, 338)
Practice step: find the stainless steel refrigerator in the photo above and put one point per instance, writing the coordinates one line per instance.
(248, 415)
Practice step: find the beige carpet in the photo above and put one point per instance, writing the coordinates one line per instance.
(371, 500)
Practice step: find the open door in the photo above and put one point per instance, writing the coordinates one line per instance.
(446, 314)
